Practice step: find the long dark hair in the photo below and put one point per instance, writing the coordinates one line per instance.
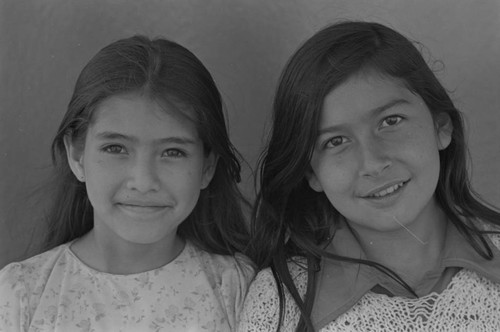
(290, 219)
(169, 73)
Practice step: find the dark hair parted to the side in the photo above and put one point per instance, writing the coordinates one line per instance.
(170, 74)
(290, 219)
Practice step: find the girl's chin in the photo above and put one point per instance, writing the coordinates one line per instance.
(383, 224)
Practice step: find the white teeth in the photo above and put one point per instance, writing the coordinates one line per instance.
(388, 191)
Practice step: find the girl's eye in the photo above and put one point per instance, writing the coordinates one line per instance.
(335, 141)
(391, 121)
(114, 149)
(173, 153)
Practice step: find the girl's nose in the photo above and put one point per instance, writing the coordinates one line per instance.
(143, 176)
(374, 158)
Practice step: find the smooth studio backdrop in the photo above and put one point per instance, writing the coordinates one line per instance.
(244, 43)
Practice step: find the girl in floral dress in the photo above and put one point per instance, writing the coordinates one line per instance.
(147, 224)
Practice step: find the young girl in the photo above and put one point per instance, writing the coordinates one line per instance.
(365, 215)
(147, 220)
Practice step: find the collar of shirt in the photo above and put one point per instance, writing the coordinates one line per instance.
(341, 284)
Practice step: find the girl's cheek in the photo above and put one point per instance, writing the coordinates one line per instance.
(338, 171)
(342, 181)
(343, 163)
(101, 162)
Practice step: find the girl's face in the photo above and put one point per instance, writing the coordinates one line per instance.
(144, 166)
(377, 153)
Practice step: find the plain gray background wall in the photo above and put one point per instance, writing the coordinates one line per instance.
(244, 43)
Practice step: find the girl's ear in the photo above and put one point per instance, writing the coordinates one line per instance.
(444, 129)
(313, 181)
(75, 159)
(209, 166)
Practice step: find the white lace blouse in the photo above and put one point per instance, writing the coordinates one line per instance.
(469, 302)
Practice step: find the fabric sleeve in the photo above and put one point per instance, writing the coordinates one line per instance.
(246, 272)
(235, 283)
(261, 307)
(14, 313)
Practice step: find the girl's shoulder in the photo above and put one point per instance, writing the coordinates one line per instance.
(32, 269)
(22, 284)
(220, 265)
(265, 282)
(228, 275)
(261, 308)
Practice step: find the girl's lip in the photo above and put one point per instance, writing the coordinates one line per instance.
(143, 205)
(142, 208)
(371, 193)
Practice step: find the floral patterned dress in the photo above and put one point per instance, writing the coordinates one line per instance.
(55, 291)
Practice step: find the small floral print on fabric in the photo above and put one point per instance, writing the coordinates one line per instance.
(55, 291)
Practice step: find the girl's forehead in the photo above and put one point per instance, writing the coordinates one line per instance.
(141, 116)
(362, 94)
(373, 78)
(159, 106)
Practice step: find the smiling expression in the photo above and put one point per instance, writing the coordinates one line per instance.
(144, 166)
(377, 153)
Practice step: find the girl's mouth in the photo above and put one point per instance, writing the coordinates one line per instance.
(135, 208)
(387, 191)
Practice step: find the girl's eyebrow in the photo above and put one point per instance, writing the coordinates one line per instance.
(110, 135)
(372, 113)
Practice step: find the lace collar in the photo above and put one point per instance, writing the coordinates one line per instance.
(340, 285)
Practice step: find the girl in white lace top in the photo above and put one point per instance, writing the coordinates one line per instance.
(147, 218)
(366, 220)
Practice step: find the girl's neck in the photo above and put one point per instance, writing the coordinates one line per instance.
(121, 257)
(411, 252)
